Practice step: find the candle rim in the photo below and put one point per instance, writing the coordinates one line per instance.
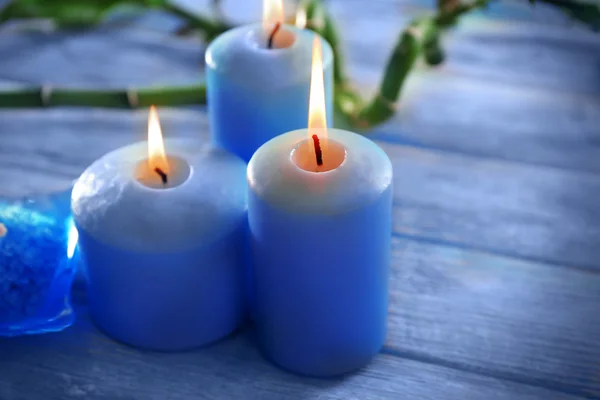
(225, 58)
(367, 173)
(98, 196)
(257, 30)
(170, 158)
(319, 173)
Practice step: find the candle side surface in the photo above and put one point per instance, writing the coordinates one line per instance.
(170, 301)
(320, 246)
(165, 267)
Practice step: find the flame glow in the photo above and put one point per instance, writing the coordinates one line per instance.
(317, 117)
(73, 238)
(156, 148)
(272, 12)
(301, 18)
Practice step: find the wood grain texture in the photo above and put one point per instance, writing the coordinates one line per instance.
(496, 315)
(517, 92)
(81, 363)
(532, 212)
(474, 311)
(454, 113)
(44, 151)
(564, 58)
(539, 213)
(105, 58)
(521, 11)
(495, 157)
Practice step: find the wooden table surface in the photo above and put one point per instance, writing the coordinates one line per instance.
(495, 286)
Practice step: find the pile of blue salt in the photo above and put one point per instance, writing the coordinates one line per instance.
(36, 268)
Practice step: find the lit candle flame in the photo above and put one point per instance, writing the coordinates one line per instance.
(157, 159)
(272, 13)
(301, 18)
(317, 119)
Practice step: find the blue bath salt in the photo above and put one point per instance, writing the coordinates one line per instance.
(35, 270)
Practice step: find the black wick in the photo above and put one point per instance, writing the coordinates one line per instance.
(272, 35)
(162, 174)
(318, 151)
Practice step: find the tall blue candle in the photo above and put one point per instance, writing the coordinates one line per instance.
(319, 210)
(161, 235)
(257, 79)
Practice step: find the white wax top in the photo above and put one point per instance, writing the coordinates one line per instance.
(363, 175)
(111, 205)
(270, 69)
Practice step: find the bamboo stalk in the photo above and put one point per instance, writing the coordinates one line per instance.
(47, 97)
(401, 61)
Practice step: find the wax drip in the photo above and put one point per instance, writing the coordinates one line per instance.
(162, 175)
(318, 151)
(272, 35)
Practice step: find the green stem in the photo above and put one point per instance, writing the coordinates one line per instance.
(421, 37)
(382, 107)
(134, 98)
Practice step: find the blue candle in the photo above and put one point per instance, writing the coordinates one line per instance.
(37, 243)
(160, 234)
(319, 210)
(256, 92)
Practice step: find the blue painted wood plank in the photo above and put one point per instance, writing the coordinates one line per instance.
(81, 363)
(498, 316)
(449, 112)
(538, 213)
(461, 107)
(564, 59)
(45, 150)
(450, 305)
(507, 10)
(534, 212)
(106, 58)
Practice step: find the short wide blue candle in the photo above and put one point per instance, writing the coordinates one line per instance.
(164, 261)
(255, 93)
(320, 240)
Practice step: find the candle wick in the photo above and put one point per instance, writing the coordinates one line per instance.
(318, 151)
(272, 35)
(162, 175)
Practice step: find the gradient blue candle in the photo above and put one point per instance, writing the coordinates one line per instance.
(319, 209)
(256, 91)
(161, 237)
